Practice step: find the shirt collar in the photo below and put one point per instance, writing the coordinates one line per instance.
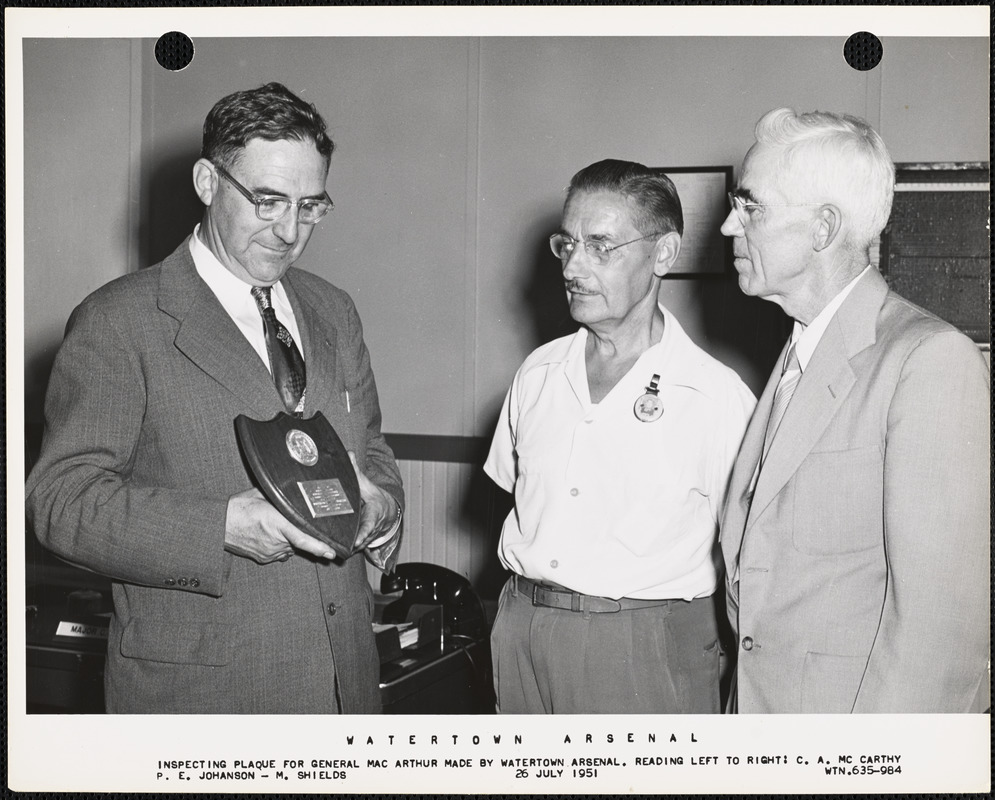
(681, 358)
(231, 290)
(807, 337)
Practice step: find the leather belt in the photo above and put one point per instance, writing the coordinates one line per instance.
(553, 597)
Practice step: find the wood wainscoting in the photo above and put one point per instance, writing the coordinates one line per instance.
(453, 512)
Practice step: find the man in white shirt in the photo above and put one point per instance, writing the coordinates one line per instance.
(220, 604)
(856, 537)
(617, 442)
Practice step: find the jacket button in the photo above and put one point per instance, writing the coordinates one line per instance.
(332, 608)
(170, 582)
(747, 642)
(194, 582)
(182, 581)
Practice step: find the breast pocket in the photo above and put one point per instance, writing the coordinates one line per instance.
(839, 501)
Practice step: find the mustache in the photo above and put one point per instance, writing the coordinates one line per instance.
(575, 286)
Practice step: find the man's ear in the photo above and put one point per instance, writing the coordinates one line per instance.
(827, 225)
(668, 247)
(205, 180)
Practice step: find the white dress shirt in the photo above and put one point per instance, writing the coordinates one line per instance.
(807, 337)
(236, 298)
(606, 504)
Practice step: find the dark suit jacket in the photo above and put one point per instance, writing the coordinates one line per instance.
(138, 461)
(863, 552)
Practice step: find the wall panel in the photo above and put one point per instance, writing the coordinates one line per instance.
(452, 517)
(78, 234)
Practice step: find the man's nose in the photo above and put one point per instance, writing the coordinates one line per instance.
(572, 266)
(733, 225)
(288, 227)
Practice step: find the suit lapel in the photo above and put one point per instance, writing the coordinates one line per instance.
(739, 496)
(318, 341)
(209, 338)
(822, 389)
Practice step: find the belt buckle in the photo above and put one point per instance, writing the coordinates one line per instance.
(535, 593)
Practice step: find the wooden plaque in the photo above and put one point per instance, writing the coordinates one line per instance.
(304, 470)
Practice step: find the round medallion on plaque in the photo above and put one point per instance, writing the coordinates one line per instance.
(302, 448)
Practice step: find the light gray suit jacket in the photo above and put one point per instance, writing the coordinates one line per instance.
(863, 553)
(138, 461)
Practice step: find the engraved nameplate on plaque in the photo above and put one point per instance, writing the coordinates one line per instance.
(304, 470)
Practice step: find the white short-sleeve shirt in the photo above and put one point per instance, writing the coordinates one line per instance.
(606, 504)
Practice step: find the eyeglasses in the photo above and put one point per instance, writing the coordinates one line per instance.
(599, 252)
(743, 207)
(270, 207)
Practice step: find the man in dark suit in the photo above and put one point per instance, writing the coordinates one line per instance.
(856, 535)
(221, 605)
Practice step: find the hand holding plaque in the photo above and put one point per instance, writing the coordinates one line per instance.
(304, 470)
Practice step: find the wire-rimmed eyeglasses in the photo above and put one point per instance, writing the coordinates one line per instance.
(742, 207)
(599, 252)
(271, 207)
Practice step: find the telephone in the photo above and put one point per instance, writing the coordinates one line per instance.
(430, 584)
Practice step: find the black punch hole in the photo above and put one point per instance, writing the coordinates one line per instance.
(174, 51)
(863, 51)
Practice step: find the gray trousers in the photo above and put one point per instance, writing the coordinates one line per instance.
(657, 660)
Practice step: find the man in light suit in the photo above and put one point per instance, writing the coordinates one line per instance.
(221, 605)
(856, 535)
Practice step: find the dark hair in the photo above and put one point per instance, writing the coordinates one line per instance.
(658, 205)
(271, 112)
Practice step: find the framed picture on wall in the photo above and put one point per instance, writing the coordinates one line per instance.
(935, 248)
(703, 190)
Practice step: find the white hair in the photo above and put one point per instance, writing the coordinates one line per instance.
(841, 159)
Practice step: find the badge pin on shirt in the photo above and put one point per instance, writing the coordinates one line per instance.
(649, 406)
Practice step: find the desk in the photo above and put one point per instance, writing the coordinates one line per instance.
(65, 673)
(454, 678)
(66, 632)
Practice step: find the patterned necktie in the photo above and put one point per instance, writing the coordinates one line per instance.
(285, 359)
(782, 396)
